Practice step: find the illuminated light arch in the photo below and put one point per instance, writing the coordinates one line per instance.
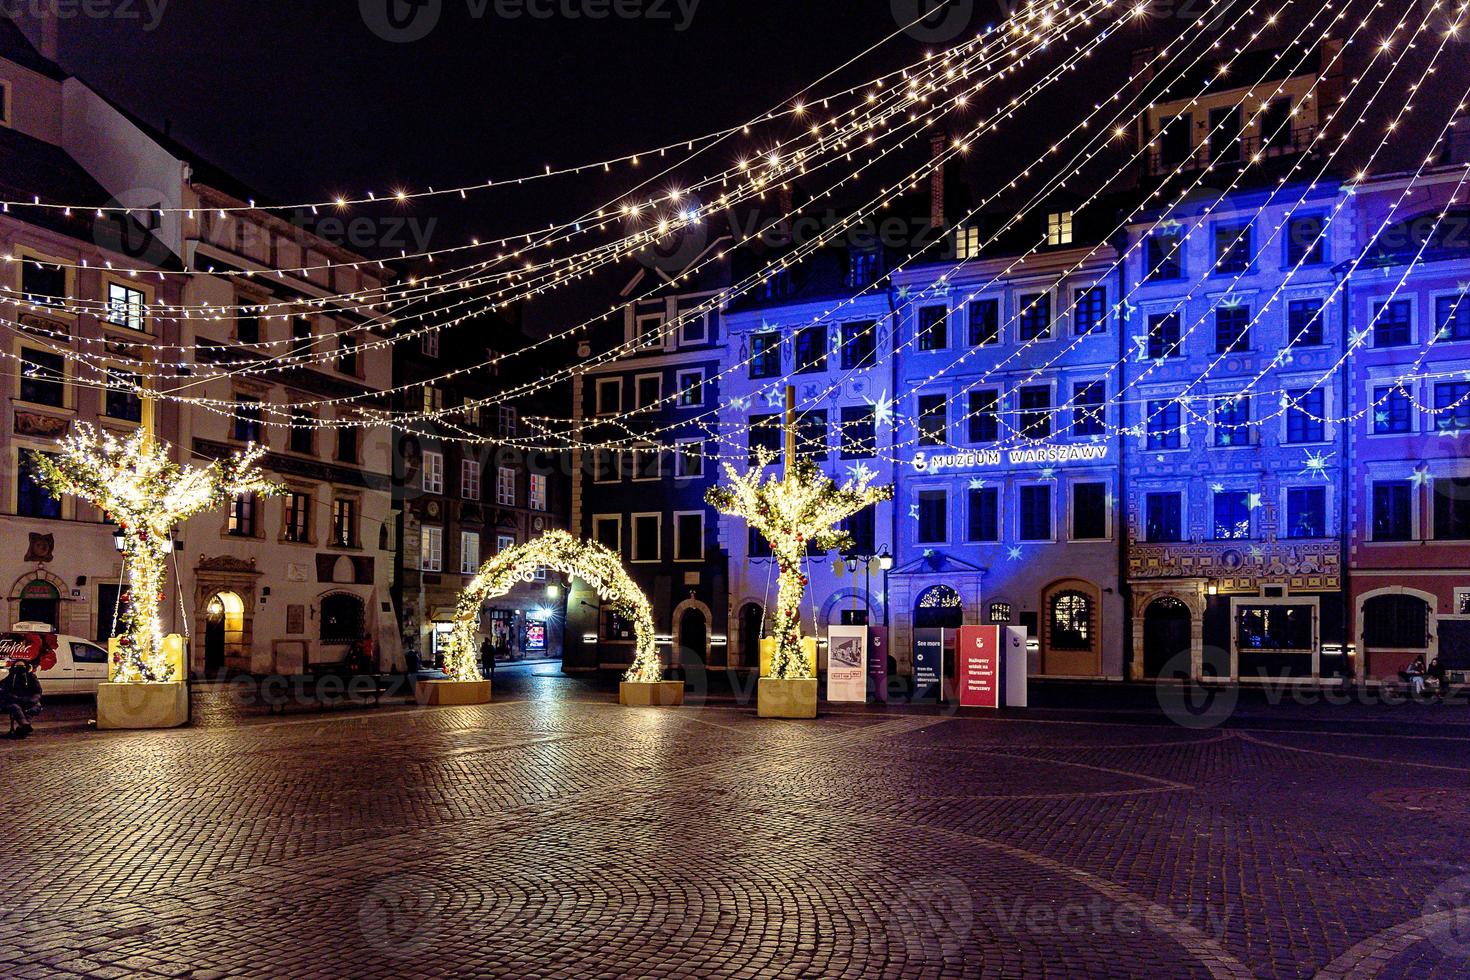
(594, 564)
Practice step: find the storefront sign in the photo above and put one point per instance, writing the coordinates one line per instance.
(847, 660)
(969, 459)
(979, 667)
(928, 664)
(878, 662)
(535, 636)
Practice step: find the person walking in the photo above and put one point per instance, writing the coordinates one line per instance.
(20, 697)
(487, 658)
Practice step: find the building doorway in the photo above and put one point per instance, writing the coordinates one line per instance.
(40, 602)
(224, 626)
(752, 616)
(1166, 635)
(939, 607)
(693, 637)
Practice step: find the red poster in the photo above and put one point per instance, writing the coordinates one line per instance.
(978, 669)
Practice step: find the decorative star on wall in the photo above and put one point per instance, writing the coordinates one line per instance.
(977, 483)
(861, 472)
(1047, 472)
(914, 511)
(775, 397)
(1217, 488)
(740, 403)
(1316, 464)
(1014, 553)
(882, 409)
(1253, 501)
(1420, 478)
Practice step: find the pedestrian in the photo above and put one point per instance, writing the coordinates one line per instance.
(487, 658)
(411, 659)
(1414, 674)
(1441, 678)
(20, 697)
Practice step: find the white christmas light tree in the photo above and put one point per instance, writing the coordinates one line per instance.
(137, 483)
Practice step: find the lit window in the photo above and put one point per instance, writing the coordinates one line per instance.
(429, 343)
(1059, 228)
(469, 552)
(469, 479)
(537, 492)
(433, 473)
(431, 549)
(125, 306)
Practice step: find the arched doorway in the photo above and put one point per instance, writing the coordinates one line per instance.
(40, 602)
(342, 618)
(1394, 628)
(1166, 635)
(224, 628)
(693, 637)
(939, 607)
(752, 616)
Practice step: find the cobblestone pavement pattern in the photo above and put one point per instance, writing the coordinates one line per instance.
(564, 836)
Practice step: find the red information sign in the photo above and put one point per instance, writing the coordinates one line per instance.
(979, 665)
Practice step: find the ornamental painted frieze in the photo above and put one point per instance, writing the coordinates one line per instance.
(1303, 565)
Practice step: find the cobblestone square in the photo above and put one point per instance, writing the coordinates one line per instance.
(556, 834)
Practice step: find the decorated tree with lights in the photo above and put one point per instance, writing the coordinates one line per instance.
(137, 483)
(795, 512)
(590, 561)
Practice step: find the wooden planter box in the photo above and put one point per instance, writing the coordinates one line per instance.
(138, 706)
(447, 693)
(778, 698)
(647, 694)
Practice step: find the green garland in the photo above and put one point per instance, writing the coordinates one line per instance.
(135, 481)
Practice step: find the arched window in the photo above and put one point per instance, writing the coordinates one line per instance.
(939, 607)
(342, 618)
(1396, 622)
(1071, 622)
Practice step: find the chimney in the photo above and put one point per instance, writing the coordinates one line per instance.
(937, 142)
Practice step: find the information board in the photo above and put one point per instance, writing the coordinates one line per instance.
(847, 662)
(978, 666)
(878, 662)
(928, 664)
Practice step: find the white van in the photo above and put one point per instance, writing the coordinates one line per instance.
(63, 664)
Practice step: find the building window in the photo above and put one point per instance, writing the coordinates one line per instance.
(1232, 421)
(469, 479)
(607, 530)
(1304, 322)
(247, 327)
(862, 532)
(302, 433)
(1035, 513)
(1088, 417)
(31, 498)
(126, 306)
(811, 350)
(983, 512)
(933, 328)
(984, 415)
(646, 528)
(1451, 508)
(1274, 627)
(862, 266)
(347, 359)
(1089, 511)
(505, 421)
(1163, 425)
(690, 387)
(429, 343)
(469, 552)
(300, 334)
(811, 434)
(1090, 310)
(605, 466)
(859, 344)
(241, 519)
(933, 420)
(1165, 255)
(984, 322)
(433, 400)
(1232, 248)
(756, 545)
(1452, 317)
(1392, 411)
(505, 486)
(688, 459)
(346, 445)
(121, 399)
(1396, 622)
(1304, 415)
(41, 283)
(933, 517)
(1232, 515)
(1306, 512)
(646, 463)
(967, 242)
(1059, 228)
(432, 473)
(344, 522)
(1163, 517)
(298, 517)
(1071, 622)
(859, 438)
(1163, 336)
(42, 377)
(1392, 324)
(1035, 319)
(648, 390)
(1452, 406)
(649, 328)
(247, 419)
(431, 549)
(764, 436)
(765, 355)
(1034, 402)
(689, 536)
(1232, 329)
(1305, 242)
(1393, 512)
(609, 396)
(504, 542)
(537, 492)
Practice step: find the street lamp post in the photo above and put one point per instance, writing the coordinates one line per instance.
(885, 562)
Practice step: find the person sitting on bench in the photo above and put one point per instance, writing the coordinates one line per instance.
(20, 697)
